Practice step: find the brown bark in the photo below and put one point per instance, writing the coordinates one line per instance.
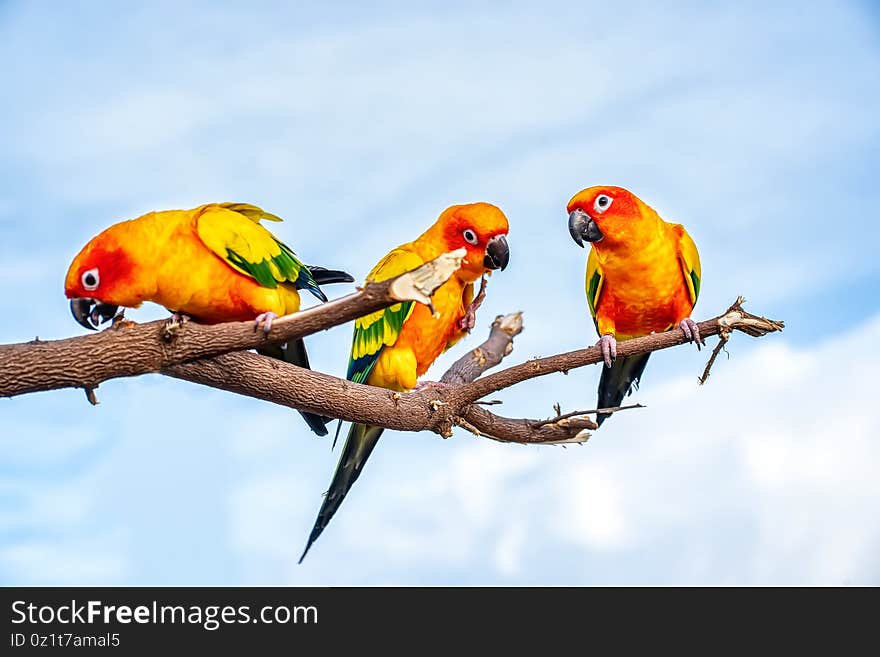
(499, 343)
(85, 362)
(129, 349)
(734, 318)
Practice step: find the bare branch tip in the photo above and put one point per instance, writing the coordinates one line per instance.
(512, 323)
(578, 439)
(753, 325)
(722, 340)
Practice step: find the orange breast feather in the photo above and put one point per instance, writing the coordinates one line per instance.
(422, 339)
(642, 293)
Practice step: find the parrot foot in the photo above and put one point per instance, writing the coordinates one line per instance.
(691, 331)
(469, 320)
(608, 344)
(265, 319)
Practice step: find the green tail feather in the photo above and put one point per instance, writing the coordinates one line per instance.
(359, 445)
(618, 381)
(294, 352)
(324, 276)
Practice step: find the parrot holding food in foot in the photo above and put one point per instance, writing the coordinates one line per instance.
(214, 263)
(393, 347)
(643, 276)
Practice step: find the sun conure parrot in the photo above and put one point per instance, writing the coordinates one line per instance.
(393, 347)
(214, 263)
(643, 276)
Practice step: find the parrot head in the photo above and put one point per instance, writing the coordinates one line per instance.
(479, 228)
(100, 279)
(604, 213)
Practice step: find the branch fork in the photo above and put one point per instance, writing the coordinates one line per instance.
(216, 356)
(738, 319)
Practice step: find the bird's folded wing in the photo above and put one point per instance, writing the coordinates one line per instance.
(234, 233)
(375, 331)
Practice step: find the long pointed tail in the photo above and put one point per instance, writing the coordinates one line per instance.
(294, 352)
(618, 381)
(359, 445)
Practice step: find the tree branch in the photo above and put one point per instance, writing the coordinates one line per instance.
(129, 349)
(735, 318)
(435, 408)
(481, 422)
(500, 343)
(439, 408)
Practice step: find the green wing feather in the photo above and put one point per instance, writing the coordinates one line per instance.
(690, 263)
(233, 232)
(594, 283)
(373, 332)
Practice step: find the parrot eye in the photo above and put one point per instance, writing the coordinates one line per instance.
(90, 279)
(470, 236)
(603, 202)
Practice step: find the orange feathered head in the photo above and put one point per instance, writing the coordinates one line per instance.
(479, 228)
(606, 214)
(101, 278)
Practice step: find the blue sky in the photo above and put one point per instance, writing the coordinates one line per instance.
(754, 126)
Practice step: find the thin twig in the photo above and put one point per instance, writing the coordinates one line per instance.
(565, 416)
(722, 340)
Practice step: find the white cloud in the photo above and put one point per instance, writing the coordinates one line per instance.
(590, 510)
(753, 478)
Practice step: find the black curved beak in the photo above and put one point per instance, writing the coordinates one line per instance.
(497, 253)
(91, 313)
(583, 228)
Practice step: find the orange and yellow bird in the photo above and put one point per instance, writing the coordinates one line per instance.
(214, 263)
(643, 276)
(393, 347)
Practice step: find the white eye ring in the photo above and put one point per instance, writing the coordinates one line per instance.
(90, 279)
(603, 202)
(470, 236)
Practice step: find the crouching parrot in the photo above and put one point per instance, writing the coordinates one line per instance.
(643, 276)
(214, 263)
(393, 347)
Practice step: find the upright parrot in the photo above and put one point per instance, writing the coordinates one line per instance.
(643, 276)
(214, 263)
(391, 348)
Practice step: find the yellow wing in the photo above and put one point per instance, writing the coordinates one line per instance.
(375, 331)
(233, 232)
(690, 263)
(252, 212)
(593, 281)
